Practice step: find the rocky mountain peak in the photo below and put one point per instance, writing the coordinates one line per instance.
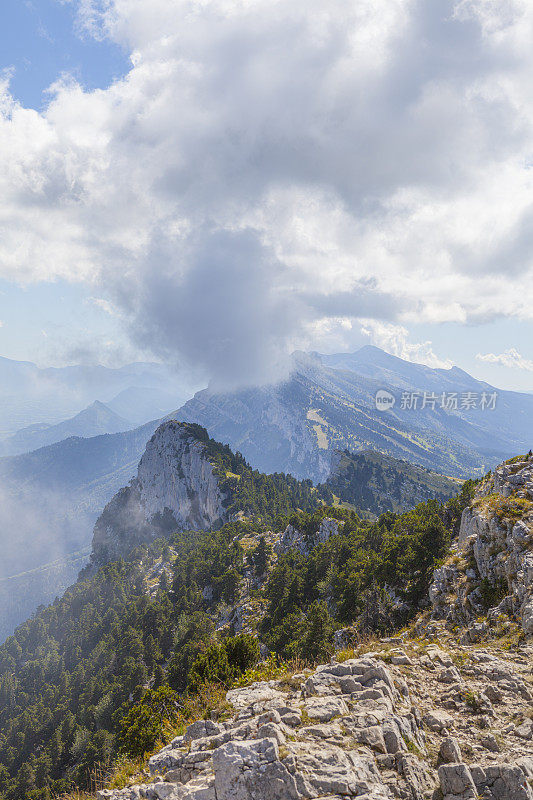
(176, 487)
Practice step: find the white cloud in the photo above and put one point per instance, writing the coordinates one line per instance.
(509, 358)
(394, 339)
(269, 167)
(105, 305)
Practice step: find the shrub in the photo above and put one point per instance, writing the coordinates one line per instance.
(492, 592)
(142, 726)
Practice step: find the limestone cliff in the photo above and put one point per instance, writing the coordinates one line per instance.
(176, 487)
(490, 575)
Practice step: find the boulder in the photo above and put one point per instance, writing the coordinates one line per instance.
(252, 770)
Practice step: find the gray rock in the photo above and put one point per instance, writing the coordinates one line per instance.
(270, 716)
(200, 729)
(501, 782)
(258, 697)
(324, 769)
(373, 737)
(325, 708)
(525, 730)
(162, 762)
(449, 675)
(292, 717)
(400, 658)
(449, 752)
(333, 732)
(526, 765)
(252, 771)
(271, 731)
(489, 743)
(502, 553)
(456, 782)
(438, 721)
(293, 539)
(161, 791)
(493, 693)
(420, 779)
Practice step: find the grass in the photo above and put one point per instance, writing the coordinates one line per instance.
(269, 670)
(232, 475)
(412, 748)
(507, 508)
(124, 771)
(306, 719)
(472, 701)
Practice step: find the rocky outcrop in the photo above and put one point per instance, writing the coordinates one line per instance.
(175, 487)
(491, 572)
(294, 539)
(394, 723)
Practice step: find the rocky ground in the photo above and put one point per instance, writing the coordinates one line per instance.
(415, 717)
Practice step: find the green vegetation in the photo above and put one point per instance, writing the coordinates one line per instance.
(266, 498)
(66, 673)
(492, 592)
(127, 656)
(375, 482)
(508, 508)
(344, 580)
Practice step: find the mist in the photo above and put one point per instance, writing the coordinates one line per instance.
(38, 527)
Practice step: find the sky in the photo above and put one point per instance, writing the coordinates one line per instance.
(215, 183)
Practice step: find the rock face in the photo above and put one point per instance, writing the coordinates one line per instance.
(293, 539)
(491, 572)
(176, 486)
(358, 729)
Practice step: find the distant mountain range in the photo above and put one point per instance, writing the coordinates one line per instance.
(51, 497)
(92, 421)
(328, 403)
(30, 395)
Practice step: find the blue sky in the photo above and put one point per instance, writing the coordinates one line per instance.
(251, 188)
(40, 40)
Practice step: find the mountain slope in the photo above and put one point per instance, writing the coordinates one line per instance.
(371, 481)
(51, 497)
(95, 420)
(70, 677)
(50, 500)
(509, 422)
(143, 403)
(295, 426)
(22, 594)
